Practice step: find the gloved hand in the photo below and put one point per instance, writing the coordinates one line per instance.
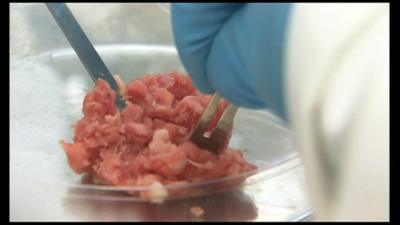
(236, 49)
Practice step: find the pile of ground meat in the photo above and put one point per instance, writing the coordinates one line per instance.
(145, 143)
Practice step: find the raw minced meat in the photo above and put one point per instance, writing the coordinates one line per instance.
(145, 143)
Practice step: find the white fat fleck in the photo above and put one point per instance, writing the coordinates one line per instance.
(158, 193)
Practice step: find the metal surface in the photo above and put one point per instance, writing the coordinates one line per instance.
(217, 140)
(40, 179)
(82, 46)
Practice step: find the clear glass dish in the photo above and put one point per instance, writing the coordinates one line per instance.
(47, 86)
(63, 82)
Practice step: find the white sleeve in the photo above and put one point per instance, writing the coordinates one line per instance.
(338, 96)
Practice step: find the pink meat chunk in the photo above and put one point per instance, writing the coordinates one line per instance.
(145, 143)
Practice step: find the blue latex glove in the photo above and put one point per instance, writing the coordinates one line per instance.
(235, 49)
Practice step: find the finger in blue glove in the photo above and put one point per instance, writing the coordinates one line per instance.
(236, 49)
